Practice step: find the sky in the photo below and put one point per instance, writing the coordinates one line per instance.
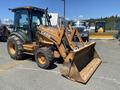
(74, 8)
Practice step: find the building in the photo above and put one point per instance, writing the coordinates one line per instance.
(57, 20)
(8, 21)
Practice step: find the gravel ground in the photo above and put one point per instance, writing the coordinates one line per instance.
(25, 75)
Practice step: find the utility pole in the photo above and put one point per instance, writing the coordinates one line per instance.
(64, 8)
(0, 22)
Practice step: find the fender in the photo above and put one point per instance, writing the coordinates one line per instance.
(18, 35)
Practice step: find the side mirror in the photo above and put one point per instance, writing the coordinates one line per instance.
(50, 16)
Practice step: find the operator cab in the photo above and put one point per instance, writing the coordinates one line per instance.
(27, 19)
(100, 26)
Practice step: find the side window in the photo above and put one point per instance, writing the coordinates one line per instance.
(44, 20)
(22, 19)
(35, 20)
(39, 18)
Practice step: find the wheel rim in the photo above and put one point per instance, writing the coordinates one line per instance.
(12, 48)
(41, 59)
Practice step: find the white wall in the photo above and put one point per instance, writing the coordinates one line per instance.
(54, 19)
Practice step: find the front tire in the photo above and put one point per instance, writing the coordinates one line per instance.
(44, 57)
(14, 46)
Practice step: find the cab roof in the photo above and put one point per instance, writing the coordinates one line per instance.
(29, 8)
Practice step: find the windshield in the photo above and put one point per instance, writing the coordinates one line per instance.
(100, 24)
(39, 18)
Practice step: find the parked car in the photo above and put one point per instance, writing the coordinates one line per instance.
(83, 30)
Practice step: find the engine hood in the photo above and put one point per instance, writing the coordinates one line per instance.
(50, 30)
(52, 33)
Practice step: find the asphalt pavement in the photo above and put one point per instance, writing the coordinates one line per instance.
(26, 75)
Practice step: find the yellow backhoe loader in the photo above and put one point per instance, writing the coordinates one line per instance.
(100, 32)
(34, 35)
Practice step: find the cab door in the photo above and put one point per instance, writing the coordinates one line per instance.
(36, 21)
(22, 24)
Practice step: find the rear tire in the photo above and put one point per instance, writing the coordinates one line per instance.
(44, 57)
(14, 46)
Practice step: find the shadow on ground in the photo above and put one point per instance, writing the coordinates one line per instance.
(56, 61)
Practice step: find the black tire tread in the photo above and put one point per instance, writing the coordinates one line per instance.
(48, 55)
(19, 53)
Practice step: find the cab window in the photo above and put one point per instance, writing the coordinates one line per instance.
(39, 18)
(22, 19)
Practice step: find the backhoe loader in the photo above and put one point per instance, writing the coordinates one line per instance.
(100, 32)
(34, 35)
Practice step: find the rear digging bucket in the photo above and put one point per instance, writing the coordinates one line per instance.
(83, 65)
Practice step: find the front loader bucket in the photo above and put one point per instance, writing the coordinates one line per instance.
(83, 65)
(104, 35)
